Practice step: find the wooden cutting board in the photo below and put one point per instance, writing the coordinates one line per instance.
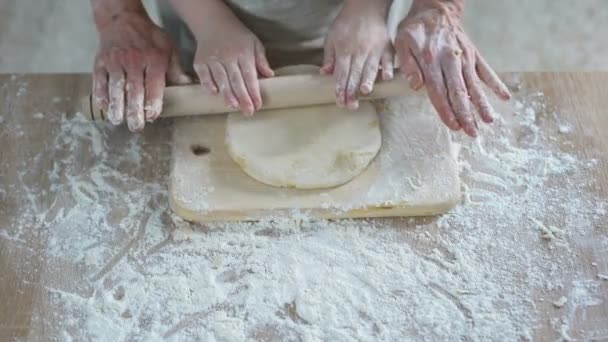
(414, 174)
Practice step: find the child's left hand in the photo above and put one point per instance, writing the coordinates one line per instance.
(356, 47)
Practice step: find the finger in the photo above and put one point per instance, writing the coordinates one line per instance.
(478, 97)
(261, 61)
(370, 73)
(489, 77)
(329, 60)
(411, 69)
(204, 75)
(251, 82)
(239, 89)
(116, 91)
(341, 70)
(438, 95)
(175, 72)
(154, 83)
(387, 65)
(135, 100)
(100, 86)
(457, 92)
(221, 79)
(354, 81)
(409, 50)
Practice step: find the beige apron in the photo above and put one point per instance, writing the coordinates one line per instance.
(292, 31)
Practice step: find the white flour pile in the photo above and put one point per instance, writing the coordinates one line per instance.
(146, 275)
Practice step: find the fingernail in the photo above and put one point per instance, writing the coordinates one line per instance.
(353, 105)
(135, 123)
(153, 110)
(366, 88)
(113, 116)
(249, 110)
(233, 104)
(387, 75)
(210, 88)
(150, 116)
(411, 82)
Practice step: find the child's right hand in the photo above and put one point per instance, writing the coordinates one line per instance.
(229, 64)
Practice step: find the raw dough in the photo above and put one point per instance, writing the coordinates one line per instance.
(306, 148)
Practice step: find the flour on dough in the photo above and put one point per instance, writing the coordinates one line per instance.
(307, 147)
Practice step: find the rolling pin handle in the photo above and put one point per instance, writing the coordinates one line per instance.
(95, 113)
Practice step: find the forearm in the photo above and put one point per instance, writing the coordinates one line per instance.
(453, 6)
(205, 15)
(106, 11)
(377, 6)
(382, 5)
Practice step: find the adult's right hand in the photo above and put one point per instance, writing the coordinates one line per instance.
(434, 51)
(134, 62)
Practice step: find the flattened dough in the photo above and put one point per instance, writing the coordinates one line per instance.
(306, 148)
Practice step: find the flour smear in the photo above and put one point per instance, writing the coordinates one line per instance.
(137, 272)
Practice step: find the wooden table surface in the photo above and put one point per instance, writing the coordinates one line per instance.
(26, 312)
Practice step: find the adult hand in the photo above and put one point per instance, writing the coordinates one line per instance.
(135, 60)
(356, 47)
(434, 50)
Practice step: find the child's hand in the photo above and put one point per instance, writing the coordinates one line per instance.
(228, 56)
(434, 51)
(229, 63)
(356, 47)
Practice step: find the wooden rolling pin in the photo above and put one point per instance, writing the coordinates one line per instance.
(277, 92)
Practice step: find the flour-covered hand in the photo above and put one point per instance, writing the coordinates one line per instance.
(135, 60)
(229, 57)
(229, 64)
(434, 51)
(357, 46)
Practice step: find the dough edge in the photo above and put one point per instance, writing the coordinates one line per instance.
(346, 166)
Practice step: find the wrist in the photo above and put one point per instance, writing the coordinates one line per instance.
(454, 8)
(107, 11)
(379, 7)
(205, 17)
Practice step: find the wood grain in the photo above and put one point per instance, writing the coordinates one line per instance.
(27, 277)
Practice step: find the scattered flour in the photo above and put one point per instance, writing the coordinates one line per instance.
(565, 128)
(559, 303)
(140, 273)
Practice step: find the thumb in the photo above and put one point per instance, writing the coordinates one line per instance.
(175, 72)
(329, 59)
(261, 61)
